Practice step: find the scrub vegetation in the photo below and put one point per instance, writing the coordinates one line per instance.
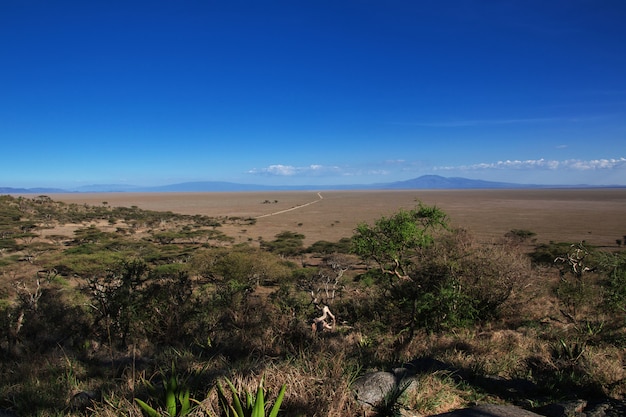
(111, 311)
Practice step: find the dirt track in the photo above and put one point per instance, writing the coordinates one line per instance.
(293, 208)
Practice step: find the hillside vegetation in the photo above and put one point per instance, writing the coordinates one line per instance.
(111, 311)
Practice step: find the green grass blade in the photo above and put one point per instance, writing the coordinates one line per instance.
(221, 396)
(249, 401)
(170, 397)
(236, 402)
(259, 402)
(151, 412)
(185, 404)
(278, 402)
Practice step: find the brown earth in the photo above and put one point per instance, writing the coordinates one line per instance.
(597, 216)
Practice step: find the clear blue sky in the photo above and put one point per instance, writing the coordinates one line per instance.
(311, 92)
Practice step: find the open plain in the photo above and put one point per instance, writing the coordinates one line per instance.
(597, 216)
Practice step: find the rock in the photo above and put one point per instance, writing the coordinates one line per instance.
(583, 408)
(83, 399)
(490, 410)
(372, 388)
(606, 408)
(564, 409)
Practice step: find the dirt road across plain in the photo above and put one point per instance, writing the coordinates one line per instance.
(594, 215)
(293, 208)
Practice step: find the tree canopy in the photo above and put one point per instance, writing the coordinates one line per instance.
(391, 241)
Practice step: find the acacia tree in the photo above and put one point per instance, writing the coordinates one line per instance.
(412, 292)
(392, 241)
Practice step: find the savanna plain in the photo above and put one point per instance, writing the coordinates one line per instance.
(152, 303)
(594, 215)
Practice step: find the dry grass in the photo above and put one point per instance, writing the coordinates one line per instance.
(438, 393)
(524, 344)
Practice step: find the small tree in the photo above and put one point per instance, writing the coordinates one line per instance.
(392, 241)
(577, 289)
(397, 245)
(116, 298)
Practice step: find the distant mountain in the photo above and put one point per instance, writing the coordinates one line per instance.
(436, 182)
(425, 182)
(10, 190)
(206, 186)
(106, 188)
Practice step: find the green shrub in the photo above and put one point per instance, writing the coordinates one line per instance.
(614, 268)
(436, 284)
(168, 308)
(285, 244)
(344, 245)
(246, 404)
(520, 235)
(172, 396)
(117, 299)
(578, 290)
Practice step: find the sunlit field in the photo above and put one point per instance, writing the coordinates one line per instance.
(597, 216)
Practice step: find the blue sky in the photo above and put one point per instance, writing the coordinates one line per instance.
(311, 92)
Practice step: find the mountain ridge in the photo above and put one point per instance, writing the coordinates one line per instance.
(424, 182)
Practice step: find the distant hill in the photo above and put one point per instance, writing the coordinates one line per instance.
(9, 190)
(425, 182)
(105, 188)
(436, 182)
(214, 186)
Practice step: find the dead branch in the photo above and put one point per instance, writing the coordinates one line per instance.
(321, 323)
(30, 298)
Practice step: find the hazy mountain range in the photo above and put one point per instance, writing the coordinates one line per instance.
(425, 182)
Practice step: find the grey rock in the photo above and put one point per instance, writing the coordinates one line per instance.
(375, 389)
(83, 399)
(564, 409)
(490, 410)
(583, 408)
(606, 408)
(372, 388)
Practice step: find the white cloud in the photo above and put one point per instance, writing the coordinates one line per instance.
(597, 164)
(543, 164)
(378, 172)
(290, 170)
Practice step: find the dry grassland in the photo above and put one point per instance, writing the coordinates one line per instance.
(597, 216)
